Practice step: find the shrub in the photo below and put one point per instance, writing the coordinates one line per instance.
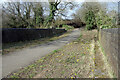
(89, 27)
(66, 27)
(90, 20)
(105, 27)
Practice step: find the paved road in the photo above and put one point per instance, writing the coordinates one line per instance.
(16, 60)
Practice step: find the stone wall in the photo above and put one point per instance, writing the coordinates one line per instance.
(20, 34)
(110, 42)
(0, 38)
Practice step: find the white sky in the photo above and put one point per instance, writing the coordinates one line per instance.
(61, 0)
(110, 5)
(1, 1)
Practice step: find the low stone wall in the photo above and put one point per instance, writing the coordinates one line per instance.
(110, 41)
(0, 38)
(20, 34)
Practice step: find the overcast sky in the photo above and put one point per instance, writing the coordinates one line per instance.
(61, 0)
(110, 3)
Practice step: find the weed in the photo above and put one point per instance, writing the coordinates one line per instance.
(31, 75)
(42, 66)
(55, 51)
(14, 76)
(82, 54)
(79, 75)
(71, 59)
(78, 39)
(62, 72)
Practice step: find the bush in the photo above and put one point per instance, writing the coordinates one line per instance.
(90, 20)
(66, 27)
(105, 27)
(89, 27)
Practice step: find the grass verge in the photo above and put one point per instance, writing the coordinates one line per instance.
(105, 59)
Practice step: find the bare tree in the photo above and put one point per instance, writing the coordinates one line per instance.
(58, 8)
(21, 14)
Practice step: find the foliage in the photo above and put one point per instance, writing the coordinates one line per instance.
(66, 27)
(57, 10)
(87, 12)
(104, 21)
(53, 9)
(104, 26)
(77, 20)
(96, 15)
(38, 16)
(32, 15)
(90, 20)
(22, 14)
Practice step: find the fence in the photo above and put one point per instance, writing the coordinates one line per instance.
(20, 34)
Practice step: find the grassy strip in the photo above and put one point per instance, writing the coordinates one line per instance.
(11, 47)
(111, 73)
(92, 58)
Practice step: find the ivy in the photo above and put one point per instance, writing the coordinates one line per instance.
(90, 20)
